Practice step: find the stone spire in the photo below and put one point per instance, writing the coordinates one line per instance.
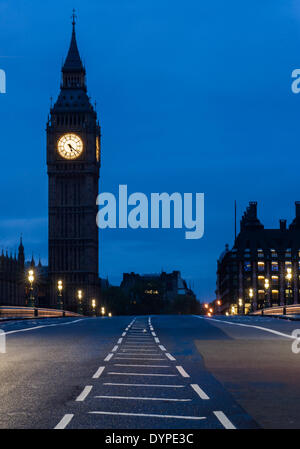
(73, 70)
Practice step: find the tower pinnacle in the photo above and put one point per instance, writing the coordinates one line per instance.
(74, 17)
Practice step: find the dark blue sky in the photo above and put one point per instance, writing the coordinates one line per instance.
(192, 97)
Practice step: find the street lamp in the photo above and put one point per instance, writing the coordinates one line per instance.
(251, 294)
(94, 306)
(31, 281)
(59, 300)
(267, 286)
(79, 295)
(102, 311)
(241, 305)
(289, 277)
(110, 315)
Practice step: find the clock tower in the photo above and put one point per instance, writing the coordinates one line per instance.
(73, 160)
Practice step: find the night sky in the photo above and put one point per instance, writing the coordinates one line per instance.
(192, 97)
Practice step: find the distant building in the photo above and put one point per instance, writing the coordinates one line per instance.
(12, 281)
(164, 286)
(263, 267)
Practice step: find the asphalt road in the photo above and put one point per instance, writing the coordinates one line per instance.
(159, 372)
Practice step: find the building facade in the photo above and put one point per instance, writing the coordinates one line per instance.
(12, 278)
(166, 286)
(73, 160)
(263, 267)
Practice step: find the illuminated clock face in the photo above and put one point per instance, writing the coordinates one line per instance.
(70, 146)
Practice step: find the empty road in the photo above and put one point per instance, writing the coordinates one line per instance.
(152, 372)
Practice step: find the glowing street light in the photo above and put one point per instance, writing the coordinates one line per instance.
(94, 306)
(110, 314)
(102, 311)
(60, 289)
(267, 286)
(79, 295)
(31, 281)
(241, 305)
(251, 294)
(289, 276)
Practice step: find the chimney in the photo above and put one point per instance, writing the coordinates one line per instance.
(282, 225)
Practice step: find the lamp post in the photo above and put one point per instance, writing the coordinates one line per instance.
(59, 299)
(251, 294)
(267, 286)
(241, 306)
(79, 295)
(288, 277)
(110, 314)
(94, 307)
(102, 311)
(31, 302)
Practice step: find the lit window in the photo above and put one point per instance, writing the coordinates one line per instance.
(275, 294)
(261, 294)
(274, 266)
(261, 266)
(260, 253)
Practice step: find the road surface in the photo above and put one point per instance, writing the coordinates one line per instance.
(156, 372)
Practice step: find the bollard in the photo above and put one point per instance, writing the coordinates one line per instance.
(284, 311)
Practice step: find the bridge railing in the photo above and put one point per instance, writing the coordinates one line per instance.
(34, 312)
(292, 309)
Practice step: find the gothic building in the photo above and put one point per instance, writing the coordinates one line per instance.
(166, 286)
(73, 160)
(263, 267)
(12, 278)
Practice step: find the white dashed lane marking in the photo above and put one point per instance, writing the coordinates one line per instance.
(224, 420)
(182, 371)
(108, 357)
(64, 422)
(143, 399)
(84, 393)
(142, 366)
(150, 415)
(142, 374)
(98, 372)
(199, 391)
